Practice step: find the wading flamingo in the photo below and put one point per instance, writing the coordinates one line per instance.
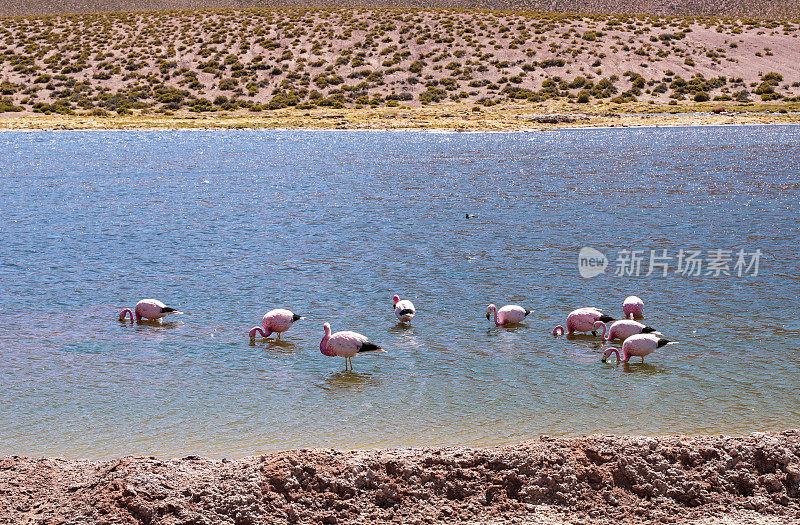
(623, 329)
(345, 344)
(582, 320)
(509, 314)
(633, 307)
(638, 345)
(403, 309)
(275, 321)
(151, 309)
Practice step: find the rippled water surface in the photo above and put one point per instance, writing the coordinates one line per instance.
(226, 225)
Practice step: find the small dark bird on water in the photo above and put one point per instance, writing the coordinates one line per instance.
(469, 216)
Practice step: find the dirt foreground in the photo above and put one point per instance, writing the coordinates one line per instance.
(595, 479)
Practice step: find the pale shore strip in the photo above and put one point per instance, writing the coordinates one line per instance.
(448, 117)
(593, 479)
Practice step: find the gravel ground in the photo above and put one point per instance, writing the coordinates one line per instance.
(597, 479)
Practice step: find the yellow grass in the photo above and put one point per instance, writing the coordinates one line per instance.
(447, 116)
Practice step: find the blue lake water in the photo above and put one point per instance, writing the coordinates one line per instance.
(226, 225)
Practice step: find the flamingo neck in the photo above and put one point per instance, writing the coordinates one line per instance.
(610, 351)
(601, 324)
(557, 329)
(496, 321)
(124, 313)
(256, 330)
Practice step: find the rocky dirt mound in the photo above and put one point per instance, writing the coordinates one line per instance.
(597, 479)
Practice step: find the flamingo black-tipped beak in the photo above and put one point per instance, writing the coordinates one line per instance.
(487, 315)
(603, 360)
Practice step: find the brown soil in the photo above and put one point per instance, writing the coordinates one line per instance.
(597, 479)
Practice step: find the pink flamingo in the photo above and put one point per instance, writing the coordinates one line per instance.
(509, 314)
(633, 307)
(278, 321)
(403, 309)
(582, 320)
(638, 345)
(151, 309)
(623, 329)
(345, 344)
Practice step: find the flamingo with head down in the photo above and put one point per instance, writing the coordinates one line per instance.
(623, 329)
(638, 345)
(582, 320)
(345, 344)
(275, 321)
(633, 307)
(508, 314)
(151, 309)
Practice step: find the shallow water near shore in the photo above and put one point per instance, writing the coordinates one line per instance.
(225, 225)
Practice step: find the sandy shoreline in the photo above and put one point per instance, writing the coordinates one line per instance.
(444, 117)
(597, 479)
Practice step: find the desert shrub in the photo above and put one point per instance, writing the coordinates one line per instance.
(604, 88)
(552, 62)
(432, 94)
(449, 84)
(7, 105)
(331, 102)
(323, 80)
(8, 88)
(168, 94)
(400, 96)
(764, 88)
(578, 82)
(583, 97)
(201, 105)
(416, 66)
(282, 99)
(520, 93)
(701, 96)
(228, 84)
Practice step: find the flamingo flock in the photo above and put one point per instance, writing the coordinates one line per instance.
(638, 339)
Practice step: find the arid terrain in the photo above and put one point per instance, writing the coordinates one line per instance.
(248, 62)
(596, 479)
(735, 8)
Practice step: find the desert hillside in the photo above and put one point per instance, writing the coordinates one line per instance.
(259, 60)
(743, 8)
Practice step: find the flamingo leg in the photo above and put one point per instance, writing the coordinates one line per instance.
(279, 336)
